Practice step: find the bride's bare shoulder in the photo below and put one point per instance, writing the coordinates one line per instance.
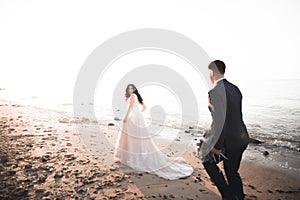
(133, 96)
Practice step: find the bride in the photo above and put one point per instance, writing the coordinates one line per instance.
(135, 148)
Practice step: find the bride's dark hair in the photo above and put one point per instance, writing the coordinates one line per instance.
(135, 91)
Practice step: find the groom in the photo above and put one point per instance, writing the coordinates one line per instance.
(225, 104)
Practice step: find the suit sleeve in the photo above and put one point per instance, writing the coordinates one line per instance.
(218, 103)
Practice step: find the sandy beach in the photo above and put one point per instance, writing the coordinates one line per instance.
(44, 156)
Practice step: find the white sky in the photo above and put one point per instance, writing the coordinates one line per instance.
(44, 43)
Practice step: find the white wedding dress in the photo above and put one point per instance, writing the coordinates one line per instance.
(135, 148)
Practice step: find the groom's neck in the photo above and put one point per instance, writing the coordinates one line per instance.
(218, 77)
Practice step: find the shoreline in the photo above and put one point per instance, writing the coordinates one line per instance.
(43, 155)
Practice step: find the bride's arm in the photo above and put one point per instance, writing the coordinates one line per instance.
(129, 108)
(143, 107)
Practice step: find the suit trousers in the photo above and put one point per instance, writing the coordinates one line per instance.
(233, 187)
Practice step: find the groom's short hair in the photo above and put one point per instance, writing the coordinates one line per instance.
(217, 66)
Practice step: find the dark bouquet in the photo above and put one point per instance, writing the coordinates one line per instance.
(209, 157)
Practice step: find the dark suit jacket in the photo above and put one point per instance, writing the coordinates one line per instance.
(226, 101)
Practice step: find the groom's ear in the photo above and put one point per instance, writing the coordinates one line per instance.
(211, 76)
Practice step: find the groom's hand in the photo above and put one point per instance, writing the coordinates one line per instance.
(216, 151)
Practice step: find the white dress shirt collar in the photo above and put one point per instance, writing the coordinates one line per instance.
(217, 81)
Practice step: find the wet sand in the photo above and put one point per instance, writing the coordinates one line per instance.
(46, 154)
